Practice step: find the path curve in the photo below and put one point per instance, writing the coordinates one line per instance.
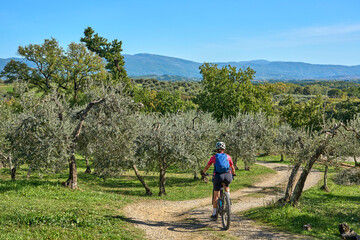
(189, 219)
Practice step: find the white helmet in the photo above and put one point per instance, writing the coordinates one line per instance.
(220, 145)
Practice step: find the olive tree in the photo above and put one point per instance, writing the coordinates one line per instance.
(352, 139)
(36, 132)
(162, 143)
(282, 136)
(41, 137)
(245, 136)
(201, 132)
(7, 122)
(306, 149)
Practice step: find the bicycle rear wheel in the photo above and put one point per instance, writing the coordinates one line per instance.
(226, 210)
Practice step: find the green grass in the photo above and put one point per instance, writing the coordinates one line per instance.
(4, 88)
(40, 208)
(274, 159)
(322, 210)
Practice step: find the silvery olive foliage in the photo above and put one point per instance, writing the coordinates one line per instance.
(162, 142)
(350, 139)
(7, 122)
(40, 132)
(282, 138)
(245, 136)
(348, 177)
(201, 132)
(111, 130)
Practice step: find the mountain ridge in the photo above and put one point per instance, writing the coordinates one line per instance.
(145, 64)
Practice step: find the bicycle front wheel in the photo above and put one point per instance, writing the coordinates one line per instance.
(226, 210)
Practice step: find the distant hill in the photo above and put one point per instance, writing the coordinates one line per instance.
(170, 68)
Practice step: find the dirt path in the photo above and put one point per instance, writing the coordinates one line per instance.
(191, 219)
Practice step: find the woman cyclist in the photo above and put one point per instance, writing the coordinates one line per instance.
(223, 173)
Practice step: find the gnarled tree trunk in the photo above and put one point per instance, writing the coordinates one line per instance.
(162, 180)
(301, 182)
(88, 170)
(282, 157)
(147, 189)
(356, 162)
(291, 182)
(325, 186)
(72, 180)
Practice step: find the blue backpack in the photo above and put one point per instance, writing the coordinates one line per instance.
(221, 163)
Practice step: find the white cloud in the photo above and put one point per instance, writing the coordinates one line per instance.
(323, 31)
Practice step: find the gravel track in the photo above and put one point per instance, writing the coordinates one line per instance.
(191, 219)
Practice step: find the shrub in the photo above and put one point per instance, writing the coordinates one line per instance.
(348, 177)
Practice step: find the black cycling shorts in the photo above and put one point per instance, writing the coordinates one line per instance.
(219, 178)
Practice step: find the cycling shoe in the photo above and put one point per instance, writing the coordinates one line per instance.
(213, 217)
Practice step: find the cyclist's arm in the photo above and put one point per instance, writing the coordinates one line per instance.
(206, 168)
(231, 165)
(232, 169)
(211, 161)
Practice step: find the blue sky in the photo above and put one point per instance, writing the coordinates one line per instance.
(317, 31)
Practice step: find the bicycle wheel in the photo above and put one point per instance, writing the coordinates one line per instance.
(220, 204)
(226, 210)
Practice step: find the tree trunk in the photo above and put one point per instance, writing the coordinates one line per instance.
(246, 166)
(301, 182)
(236, 161)
(88, 170)
(12, 168)
(162, 180)
(147, 189)
(72, 180)
(282, 157)
(196, 174)
(13, 174)
(29, 171)
(291, 181)
(356, 162)
(10, 162)
(325, 186)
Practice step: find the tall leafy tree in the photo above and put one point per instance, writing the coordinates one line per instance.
(66, 72)
(227, 91)
(14, 71)
(81, 66)
(304, 114)
(110, 51)
(49, 60)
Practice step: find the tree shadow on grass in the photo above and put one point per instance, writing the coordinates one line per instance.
(187, 225)
(131, 186)
(17, 185)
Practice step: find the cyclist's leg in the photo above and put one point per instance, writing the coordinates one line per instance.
(227, 181)
(216, 197)
(216, 194)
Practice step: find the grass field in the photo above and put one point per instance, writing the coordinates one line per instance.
(40, 208)
(322, 210)
(4, 88)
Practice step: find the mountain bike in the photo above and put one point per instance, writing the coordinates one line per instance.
(223, 206)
